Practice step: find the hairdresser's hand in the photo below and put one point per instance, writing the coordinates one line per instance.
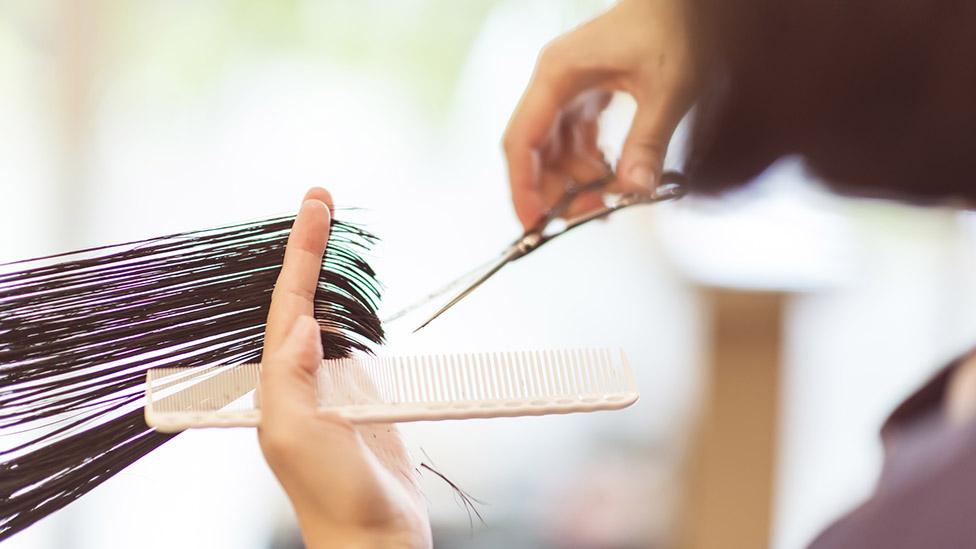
(639, 47)
(350, 486)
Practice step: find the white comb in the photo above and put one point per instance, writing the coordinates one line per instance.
(405, 388)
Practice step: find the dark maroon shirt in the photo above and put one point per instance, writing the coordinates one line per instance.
(926, 494)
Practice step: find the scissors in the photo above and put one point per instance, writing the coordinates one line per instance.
(546, 229)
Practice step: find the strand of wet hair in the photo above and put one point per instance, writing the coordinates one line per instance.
(79, 330)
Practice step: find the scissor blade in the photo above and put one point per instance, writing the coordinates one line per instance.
(504, 260)
(459, 281)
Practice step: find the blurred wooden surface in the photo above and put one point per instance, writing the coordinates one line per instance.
(729, 478)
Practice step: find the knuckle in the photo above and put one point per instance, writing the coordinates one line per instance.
(648, 145)
(551, 60)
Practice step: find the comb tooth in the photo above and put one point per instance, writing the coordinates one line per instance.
(382, 376)
(416, 383)
(423, 385)
(557, 378)
(401, 380)
(393, 364)
(599, 377)
(325, 371)
(538, 375)
(501, 371)
(465, 378)
(558, 364)
(595, 384)
(474, 383)
(480, 370)
(443, 380)
(389, 367)
(496, 375)
(492, 372)
(438, 379)
(420, 392)
(586, 368)
(598, 366)
(522, 384)
(498, 372)
(472, 376)
(618, 367)
(614, 373)
(443, 387)
(486, 375)
(545, 376)
(589, 378)
(517, 385)
(379, 376)
(525, 367)
(389, 371)
(452, 374)
(368, 379)
(410, 390)
(365, 373)
(509, 387)
(594, 365)
(435, 380)
(450, 378)
(585, 385)
(574, 374)
(566, 359)
(460, 377)
(506, 370)
(424, 379)
(554, 381)
(566, 371)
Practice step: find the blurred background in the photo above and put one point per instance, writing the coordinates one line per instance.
(771, 331)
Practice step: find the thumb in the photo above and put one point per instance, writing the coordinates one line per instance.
(642, 158)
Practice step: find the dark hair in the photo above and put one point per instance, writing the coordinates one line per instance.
(79, 330)
(878, 97)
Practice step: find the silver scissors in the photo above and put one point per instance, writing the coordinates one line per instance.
(544, 230)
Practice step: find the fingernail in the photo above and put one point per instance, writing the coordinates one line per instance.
(642, 175)
(313, 203)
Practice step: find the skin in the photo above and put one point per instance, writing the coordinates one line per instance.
(354, 486)
(351, 486)
(639, 47)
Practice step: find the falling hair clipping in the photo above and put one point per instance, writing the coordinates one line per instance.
(79, 330)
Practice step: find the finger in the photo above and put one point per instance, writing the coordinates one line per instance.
(322, 195)
(532, 122)
(288, 375)
(294, 290)
(583, 168)
(642, 158)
